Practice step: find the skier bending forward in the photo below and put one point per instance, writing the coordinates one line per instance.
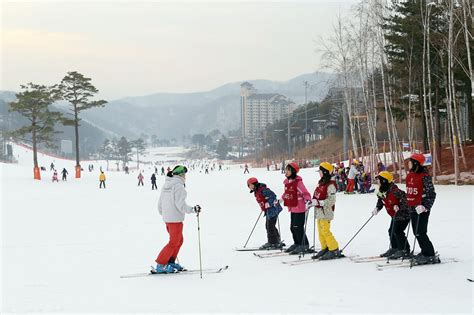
(172, 207)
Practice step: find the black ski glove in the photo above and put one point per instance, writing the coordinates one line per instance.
(197, 208)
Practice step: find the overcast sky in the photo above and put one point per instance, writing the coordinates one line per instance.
(132, 48)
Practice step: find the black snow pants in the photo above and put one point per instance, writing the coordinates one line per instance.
(297, 228)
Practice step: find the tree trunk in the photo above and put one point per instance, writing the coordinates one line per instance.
(138, 161)
(467, 6)
(35, 149)
(76, 133)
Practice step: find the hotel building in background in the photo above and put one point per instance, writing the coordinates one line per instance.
(261, 109)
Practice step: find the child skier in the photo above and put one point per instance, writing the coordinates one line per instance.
(296, 197)
(420, 197)
(102, 179)
(324, 199)
(140, 179)
(395, 201)
(266, 199)
(55, 176)
(172, 207)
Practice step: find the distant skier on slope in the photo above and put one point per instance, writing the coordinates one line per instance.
(140, 179)
(172, 207)
(153, 182)
(268, 203)
(395, 202)
(64, 172)
(102, 179)
(246, 169)
(55, 176)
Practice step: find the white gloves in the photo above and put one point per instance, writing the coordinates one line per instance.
(375, 212)
(396, 208)
(420, 209)
(267, 205)
(320, 203)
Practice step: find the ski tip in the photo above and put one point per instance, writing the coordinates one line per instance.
(470, 280)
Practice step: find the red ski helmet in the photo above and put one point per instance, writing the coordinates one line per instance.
(420, 158)
(294, 166)
(252, 180)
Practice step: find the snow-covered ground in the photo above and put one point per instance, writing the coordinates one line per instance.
(65, 245)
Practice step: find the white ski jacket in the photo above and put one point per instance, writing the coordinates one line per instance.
(172, 203)
(352, 172)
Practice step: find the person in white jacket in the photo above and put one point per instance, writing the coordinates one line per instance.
(172, 207)
(353, 172)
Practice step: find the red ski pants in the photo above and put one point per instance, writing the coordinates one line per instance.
(171, 250)
(350, 185)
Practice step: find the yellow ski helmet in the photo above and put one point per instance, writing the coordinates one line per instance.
(327, 166)
(387, 175)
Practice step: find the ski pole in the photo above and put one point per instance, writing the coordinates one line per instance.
(279, 231)
(414, 241)
(406, 240)
(253, 228)
(199, 242)
(314, 231)
(304, 238)
(357, 232)
(391, 238)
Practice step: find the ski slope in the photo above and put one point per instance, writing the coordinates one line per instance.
(65, 245)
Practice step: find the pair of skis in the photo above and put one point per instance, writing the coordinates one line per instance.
(184, 272)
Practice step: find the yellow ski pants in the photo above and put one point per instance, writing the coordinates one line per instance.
(326, 238)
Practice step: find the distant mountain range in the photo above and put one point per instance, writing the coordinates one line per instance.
(173, 115)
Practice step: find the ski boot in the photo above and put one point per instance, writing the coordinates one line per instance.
(265, 246)
(332, 254)
(300, 249)
(164, 269)
(426, 260)
(291, 248)
(389, 252)
(400, 254)
(320, 254)
(278, 245)
(176, 266)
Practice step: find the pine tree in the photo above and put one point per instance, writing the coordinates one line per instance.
(124, 150)
(33, 103)
(223, 147)
(78, 90)
(139, 146)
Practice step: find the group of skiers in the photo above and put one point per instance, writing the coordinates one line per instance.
(413, 206)
(354, 178)
(298, 200)
(64, 173)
